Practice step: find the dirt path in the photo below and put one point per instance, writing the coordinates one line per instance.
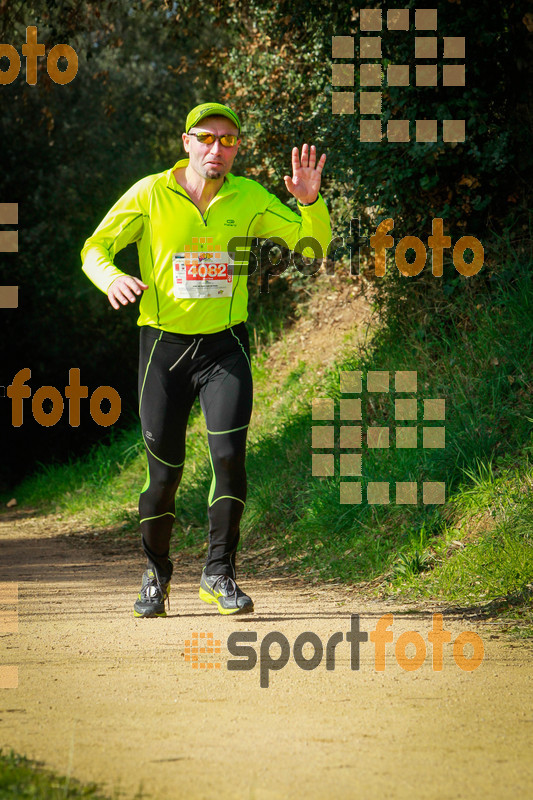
(107, 698)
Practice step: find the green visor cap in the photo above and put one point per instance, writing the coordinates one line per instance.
(208, 110)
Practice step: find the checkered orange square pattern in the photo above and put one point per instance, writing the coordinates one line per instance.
(201, 650)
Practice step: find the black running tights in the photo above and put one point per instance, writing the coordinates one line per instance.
(173, 370)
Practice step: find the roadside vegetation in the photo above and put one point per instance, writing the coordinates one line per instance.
(23, 779)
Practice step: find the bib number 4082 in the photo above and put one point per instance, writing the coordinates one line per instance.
(202, 271)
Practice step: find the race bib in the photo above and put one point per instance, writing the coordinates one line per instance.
(203, 275)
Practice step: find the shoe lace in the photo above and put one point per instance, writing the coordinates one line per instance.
(154, 581)
(226, 584)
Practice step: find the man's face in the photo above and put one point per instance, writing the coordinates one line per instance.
(211, 161)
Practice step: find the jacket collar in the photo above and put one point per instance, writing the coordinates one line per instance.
(228, 187)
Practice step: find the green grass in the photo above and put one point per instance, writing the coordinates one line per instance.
(488, 553)
(471, 345)
(22, 779)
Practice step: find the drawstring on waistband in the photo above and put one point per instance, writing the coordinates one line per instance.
(197, 346)
(186, 351)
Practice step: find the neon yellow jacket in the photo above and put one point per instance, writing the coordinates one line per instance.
(158, 214)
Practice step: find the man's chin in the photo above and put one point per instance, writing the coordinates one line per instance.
(214, 172)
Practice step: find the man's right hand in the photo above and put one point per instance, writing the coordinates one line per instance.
(123, 290)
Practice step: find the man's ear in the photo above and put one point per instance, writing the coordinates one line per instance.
(186, 139)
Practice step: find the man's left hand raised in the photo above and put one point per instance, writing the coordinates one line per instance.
(305, 181)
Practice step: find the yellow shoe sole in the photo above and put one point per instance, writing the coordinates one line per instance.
(148, 616)
(208, 598)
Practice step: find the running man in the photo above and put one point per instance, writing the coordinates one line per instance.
(193, 337)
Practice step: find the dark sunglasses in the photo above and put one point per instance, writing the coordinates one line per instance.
(226, 140)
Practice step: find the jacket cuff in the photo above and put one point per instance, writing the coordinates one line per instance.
(306, 205)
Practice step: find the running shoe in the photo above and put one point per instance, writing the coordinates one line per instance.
(155, 590)
(224, 592)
